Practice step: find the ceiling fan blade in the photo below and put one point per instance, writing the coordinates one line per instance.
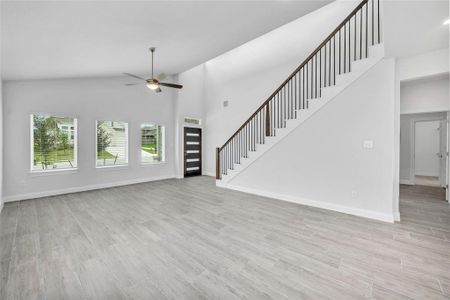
(130, 84)
(135, 76)
(161, 76)
(172, 85)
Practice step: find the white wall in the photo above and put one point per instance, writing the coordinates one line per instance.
(323, 162)
(1, 122)
(407, 142)
(247, 75)
(396, 148)
(87, 99)
(423, 65)
(1, 143)
(188, 103)
(429, 95)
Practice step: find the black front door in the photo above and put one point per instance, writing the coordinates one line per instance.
(192, 151)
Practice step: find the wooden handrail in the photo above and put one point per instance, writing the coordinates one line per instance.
(305, 83)
(330, 36)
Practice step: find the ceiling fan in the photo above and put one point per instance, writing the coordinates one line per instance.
(154, 82)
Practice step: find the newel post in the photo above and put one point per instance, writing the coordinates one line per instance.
(217, 163)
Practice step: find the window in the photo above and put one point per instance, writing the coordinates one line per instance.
(152, 143)
(193, 121)
(112, 143)
(52, 147)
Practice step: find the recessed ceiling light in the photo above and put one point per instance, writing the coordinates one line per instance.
(447, 22)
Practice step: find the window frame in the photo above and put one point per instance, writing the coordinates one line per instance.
(75, 145)
(163, 137)
(123, 166)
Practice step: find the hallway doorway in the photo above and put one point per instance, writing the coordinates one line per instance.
(424, 132)
(423, 150)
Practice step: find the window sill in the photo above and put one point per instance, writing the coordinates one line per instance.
(147, 164)
(113, 167)
(52, 172)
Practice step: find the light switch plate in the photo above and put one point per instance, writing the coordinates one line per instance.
(368, 144)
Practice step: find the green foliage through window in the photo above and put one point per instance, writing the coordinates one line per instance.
(53, 142)
(152, 143)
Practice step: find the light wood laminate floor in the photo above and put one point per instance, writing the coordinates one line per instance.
(187, 239)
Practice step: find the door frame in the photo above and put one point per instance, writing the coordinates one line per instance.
(184, 150)
(447, 177)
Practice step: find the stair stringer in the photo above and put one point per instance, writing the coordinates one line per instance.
(358, 69)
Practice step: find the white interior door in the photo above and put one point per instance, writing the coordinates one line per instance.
(427, 139)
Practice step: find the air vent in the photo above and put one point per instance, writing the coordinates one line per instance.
(192, 121)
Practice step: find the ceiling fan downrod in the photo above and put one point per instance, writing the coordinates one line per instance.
(152, 50)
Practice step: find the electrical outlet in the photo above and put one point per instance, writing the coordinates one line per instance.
(354, 193)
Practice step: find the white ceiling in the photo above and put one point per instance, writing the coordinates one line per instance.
(60, 39)
(415, 27)
(54, 39)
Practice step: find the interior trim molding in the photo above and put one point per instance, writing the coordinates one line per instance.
(386, 217)
(1, 206)
(406, 181)
(397, 216)
(420, 173)
(85, 188)
(212, 174)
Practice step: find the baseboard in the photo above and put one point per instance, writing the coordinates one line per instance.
(406, 181)
(397, 216)
(426, 174)
(315, 203)
(212, 174)
(82, 188)
(1, 207)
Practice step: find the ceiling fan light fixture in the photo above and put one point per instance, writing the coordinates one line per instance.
(152, 85)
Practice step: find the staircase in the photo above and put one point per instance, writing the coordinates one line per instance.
(346, 54)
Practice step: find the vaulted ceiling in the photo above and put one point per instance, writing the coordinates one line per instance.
(54, 39)
(415, 27)
(60, 39)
